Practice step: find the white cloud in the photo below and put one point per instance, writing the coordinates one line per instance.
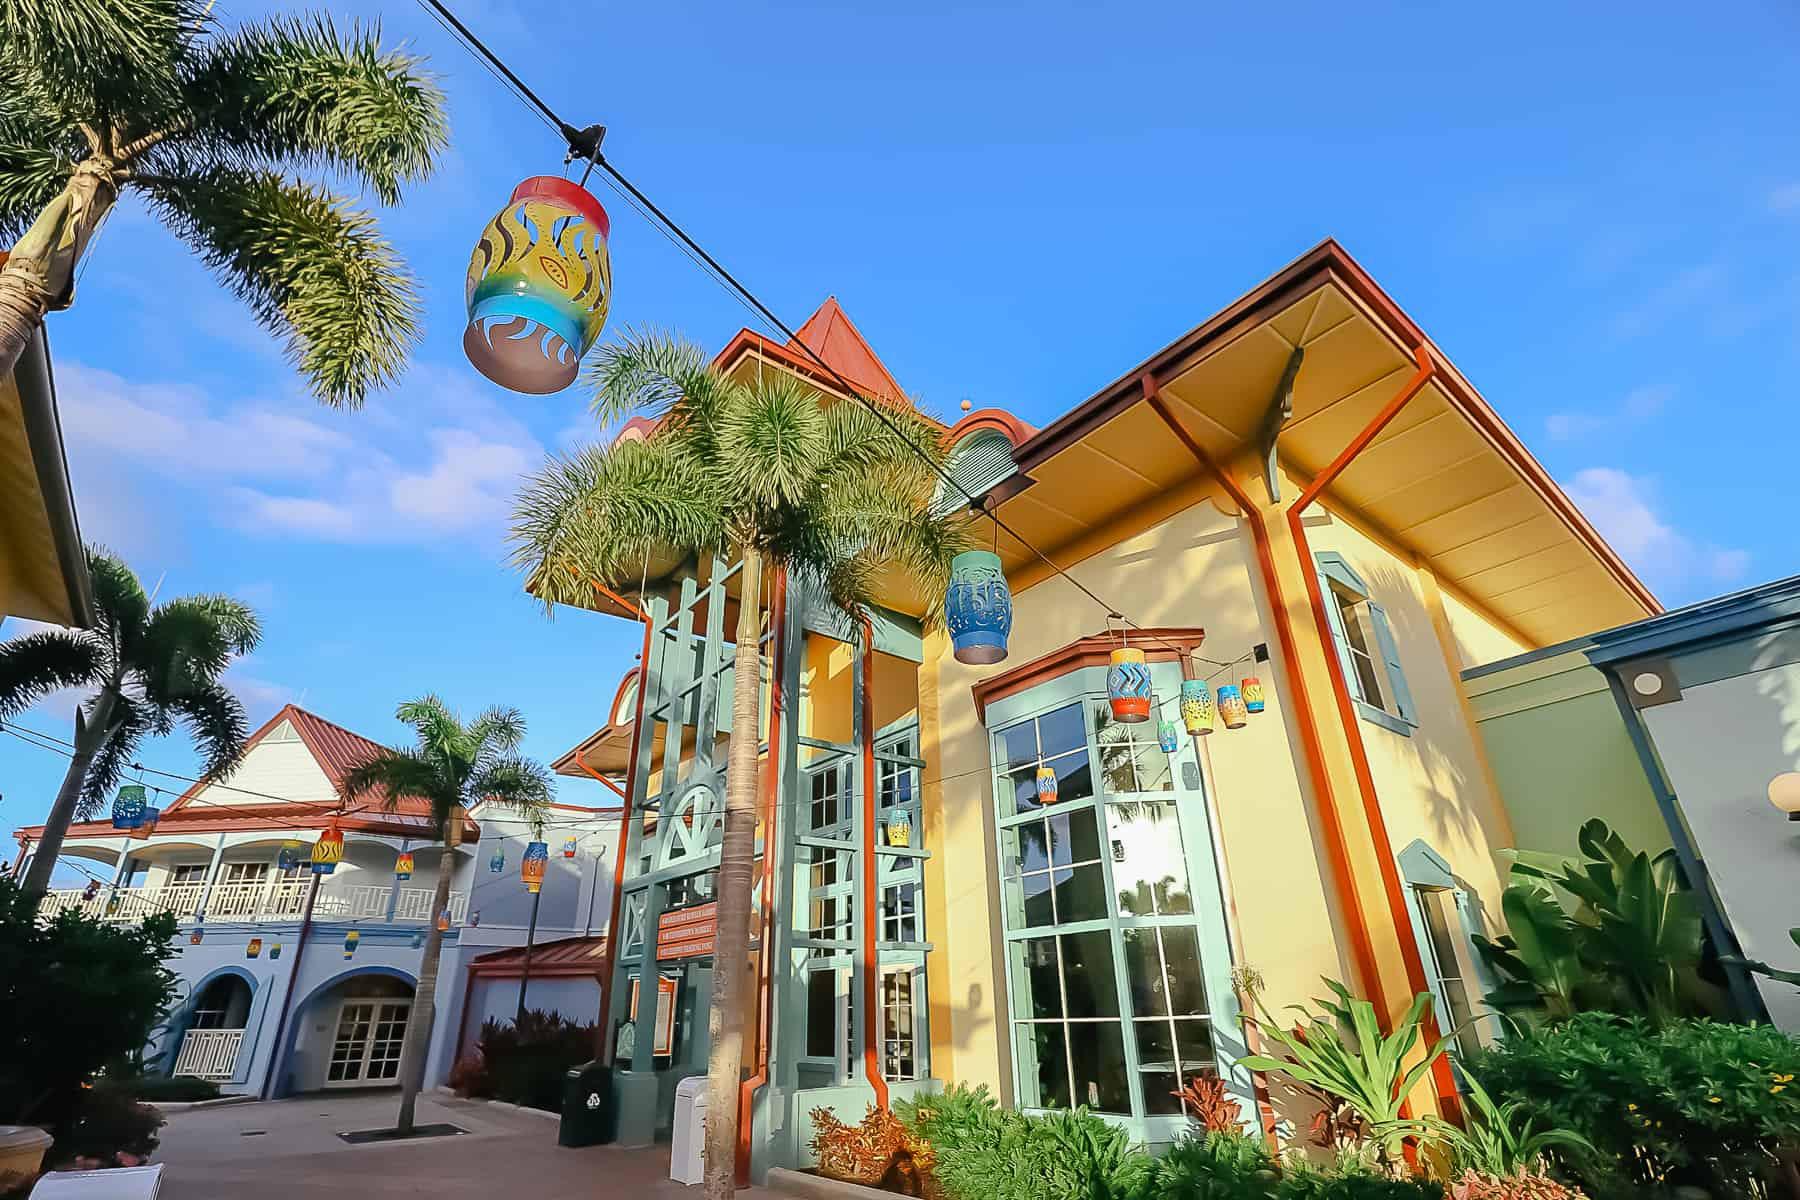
(261, 698)
(1785, 198)
(1623, 507)
(1684, 292)
(1638, 406)
(439, 459)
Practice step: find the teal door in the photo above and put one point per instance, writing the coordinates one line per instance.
(1118, 960)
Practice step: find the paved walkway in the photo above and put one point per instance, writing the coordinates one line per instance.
(289, 1150)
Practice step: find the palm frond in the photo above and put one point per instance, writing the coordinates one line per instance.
(521, 784)
(396, 773)
(296, 90)
(215, 719)
(770, 441)
(191, 640)
(130, 723)
(103, 56)
(38, 146)
(439, 730)
(310, 267)
(120, 605)
(596, 515)
(33, 666)
(501, 729)
(653, 373)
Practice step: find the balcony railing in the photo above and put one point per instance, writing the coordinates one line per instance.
(282, 900)
(209, 1053)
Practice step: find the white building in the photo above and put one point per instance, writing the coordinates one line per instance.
(274, 1000)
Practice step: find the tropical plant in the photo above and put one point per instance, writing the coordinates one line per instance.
(1349, 1177)
(1500, 1140)
(78, 994)
(860, 1153)
(1692, 1103)
(778, 477)
(455, 766)
(1217, 1166)
(1779, 976)
(206, 125)
(144, 670)
(1476, 1185)
(1631, 944)
(1210, 1105)
(1340, 1051)
(524, 1061)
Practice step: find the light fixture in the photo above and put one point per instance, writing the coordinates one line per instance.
(1784, 793)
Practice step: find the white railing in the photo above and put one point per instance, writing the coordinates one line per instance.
(281, 900)
(209, 1053)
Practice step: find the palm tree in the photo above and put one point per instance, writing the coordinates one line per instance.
(777, 476)
(146, 669)
(453, 766)
(152, 95)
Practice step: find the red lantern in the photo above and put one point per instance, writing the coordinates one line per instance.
(328, 851)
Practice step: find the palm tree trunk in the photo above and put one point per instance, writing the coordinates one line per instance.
(40, 271)
(90, 734)
(736, 858)
(424, 1010)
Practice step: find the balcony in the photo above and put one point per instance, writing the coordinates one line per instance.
(282, 900)
(209, 1053)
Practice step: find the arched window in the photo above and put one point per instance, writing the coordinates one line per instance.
(977, 463)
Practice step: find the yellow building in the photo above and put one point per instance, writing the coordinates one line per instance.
(1301, 490)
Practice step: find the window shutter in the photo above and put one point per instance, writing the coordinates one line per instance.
(1338, 639)
(977, 464)
(1390, 654)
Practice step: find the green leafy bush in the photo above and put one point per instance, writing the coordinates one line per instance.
(1234, 1166)
(78, 994)
(1350, 1178)
(983, 1152)
(524, 1063)
(110, 1129)
(1694, 1103)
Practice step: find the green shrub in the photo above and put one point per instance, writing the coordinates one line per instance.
(525, 1063)
(109, 1128)
(177, 1089)
(1351, 1179)
(983, 1152)
(1694, 1103)
(78, 994)
(1217, 1166)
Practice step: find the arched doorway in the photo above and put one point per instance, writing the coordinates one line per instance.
(349, 1033)
(215, 1028)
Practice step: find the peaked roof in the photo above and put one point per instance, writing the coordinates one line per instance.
(830, 335)
(337, 750)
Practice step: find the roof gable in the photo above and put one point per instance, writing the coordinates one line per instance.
(830, 335)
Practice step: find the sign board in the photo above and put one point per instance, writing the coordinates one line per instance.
(687, 932)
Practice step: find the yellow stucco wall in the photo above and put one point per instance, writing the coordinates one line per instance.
(1478, 637)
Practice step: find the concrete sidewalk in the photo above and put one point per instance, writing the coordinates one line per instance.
(289, 1150)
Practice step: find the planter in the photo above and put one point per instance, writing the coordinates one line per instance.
(22, 1149)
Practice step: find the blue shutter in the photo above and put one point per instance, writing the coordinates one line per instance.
(1390, 654)
(1336, 621)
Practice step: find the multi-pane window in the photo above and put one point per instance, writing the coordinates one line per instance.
(1108, 999)
(899, 1026)
(1366, 647)
(830, 902)
(828, 801)
(900, 912)
(1359, 640)
(692, 889)
(894, 780)
(187, 873)
(1437, 907)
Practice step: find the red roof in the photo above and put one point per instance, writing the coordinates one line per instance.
(830, 335)
(571, 956)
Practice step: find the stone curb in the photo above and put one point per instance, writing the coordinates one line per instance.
(518, 1108)
(175, 1106)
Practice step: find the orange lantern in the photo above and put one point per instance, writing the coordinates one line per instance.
(328, 851)
(531, 867)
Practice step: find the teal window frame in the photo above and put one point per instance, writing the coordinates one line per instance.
(1339, 580)
(1205, 917)
(1424, 870)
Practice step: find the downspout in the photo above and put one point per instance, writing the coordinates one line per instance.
(276, 1053)
(19, 859)
(765, 997)
(603, 1043)
(1362, 948)
(1340, 686)
(871, 888)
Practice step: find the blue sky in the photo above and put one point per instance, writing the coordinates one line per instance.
(1593, 209)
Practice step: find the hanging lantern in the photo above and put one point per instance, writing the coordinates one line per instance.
(1046, 785)
(197, 936)
(531, 867)
(474, 918)
(91, 890)
(1196, 706)
(350, 940)
(253, 948)
(289, 856)
(129, 807)
(569, 847)
(1253, 694)
(275, 951)
(443, 921)
(1231, 707)
(497, 863)
(418, 939)
(978, 608)
(899, 829)
(538, 286)
(1168, 736)
(403, 865)
(1128, 686)
(142, 831)
(328, 851)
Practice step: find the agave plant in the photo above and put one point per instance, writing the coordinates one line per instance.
(1498, 1142)
(1340, 1050)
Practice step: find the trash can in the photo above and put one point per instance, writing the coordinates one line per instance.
(589, 1116)
(687, 1144)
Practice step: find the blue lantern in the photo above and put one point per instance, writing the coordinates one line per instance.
(978, 608)
(497, 863)
(1167, 736)
(289, 857)
(129, 807)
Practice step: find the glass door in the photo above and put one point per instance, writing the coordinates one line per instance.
(366, 1049)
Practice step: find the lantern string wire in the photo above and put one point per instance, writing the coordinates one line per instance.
(581, 146)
